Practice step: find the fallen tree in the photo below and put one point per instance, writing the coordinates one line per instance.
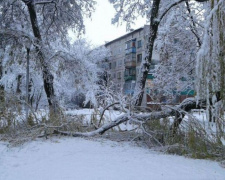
(190, 138)
(177, 111)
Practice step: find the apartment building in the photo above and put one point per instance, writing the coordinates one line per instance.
(127, 53)
(123, 67)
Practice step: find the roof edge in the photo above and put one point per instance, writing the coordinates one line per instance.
(121, 37)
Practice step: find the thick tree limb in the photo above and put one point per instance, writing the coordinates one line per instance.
(103, 112)
(99, 131)
(185, 106)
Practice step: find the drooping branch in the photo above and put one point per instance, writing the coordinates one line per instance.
(16, 34)
(175, 4)
(193, 27)
(169, 8)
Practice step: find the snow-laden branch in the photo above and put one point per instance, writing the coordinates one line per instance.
(193, 27)
(99, 131)
(169, 8)
(16, 34)
(102, 113)
(175, 4)
(185, 106)
(44, 2)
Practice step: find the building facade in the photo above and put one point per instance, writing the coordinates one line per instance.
(127, 53)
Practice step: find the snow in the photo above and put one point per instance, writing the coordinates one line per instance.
(83, 159)
(109, 115)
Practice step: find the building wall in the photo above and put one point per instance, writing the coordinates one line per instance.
(127, 53)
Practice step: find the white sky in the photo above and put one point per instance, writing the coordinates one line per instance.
(99, 29)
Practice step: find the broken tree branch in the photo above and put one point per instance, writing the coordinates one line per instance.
(103, 112)
(186, 105)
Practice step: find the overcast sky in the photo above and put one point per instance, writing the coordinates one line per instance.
(99, 29)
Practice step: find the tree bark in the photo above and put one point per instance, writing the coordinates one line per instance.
(48, 78)
(99, 131)
(2, 94)
(154, 24)
(178, 111)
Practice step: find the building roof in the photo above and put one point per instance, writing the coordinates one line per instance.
(124, 36)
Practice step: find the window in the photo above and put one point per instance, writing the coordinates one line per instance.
(127, 86)
(110, 65)
(119, 75)
(114, 75)
(133, 72)
(137, 71)
(139, 44)
(126, 72)
(128, 45)
(139, 58)
(130, 72)
(119, 63)
(113, 66)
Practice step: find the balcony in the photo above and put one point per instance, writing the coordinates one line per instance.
(129, 87)
(130, 60)
(129, 78)
(131, 50)
(130, 74)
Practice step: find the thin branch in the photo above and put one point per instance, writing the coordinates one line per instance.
(193, 28)
(102, 114)
(44, 2)
(169, 8)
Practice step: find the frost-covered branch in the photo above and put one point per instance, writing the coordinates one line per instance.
(169, 8)
(185, 106)
(103, 112)
(99, 131)
(193, 28)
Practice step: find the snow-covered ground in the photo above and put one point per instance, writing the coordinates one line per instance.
(109, 115)
(81, 159)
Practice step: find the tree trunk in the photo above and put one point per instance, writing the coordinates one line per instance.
(2, 95)
(19, 81)
(154, 23)
(48, 78)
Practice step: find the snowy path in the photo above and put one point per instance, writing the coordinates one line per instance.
(80, 159)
